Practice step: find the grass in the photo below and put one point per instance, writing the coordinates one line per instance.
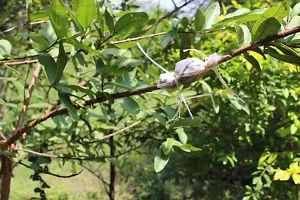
(83, 186)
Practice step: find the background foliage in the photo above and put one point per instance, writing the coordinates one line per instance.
(230, 150)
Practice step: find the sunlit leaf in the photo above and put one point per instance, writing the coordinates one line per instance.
(296, 178)
(5, 48)
(243, 35)
(282, 175)
(58, 18)
(131, 23)
(269, 23)
(167, 146)
(86, 12)
(296, 10)
(182, 135)
(199, 20)
(211, 15)
(160, 161)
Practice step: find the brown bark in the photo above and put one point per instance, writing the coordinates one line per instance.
(5, 173)
(112, 170)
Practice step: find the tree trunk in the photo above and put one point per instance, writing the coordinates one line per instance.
(5, 172)
(112, 170)
(5, 177)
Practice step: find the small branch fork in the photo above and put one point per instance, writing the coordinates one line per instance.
(101, 99)
(168, 15)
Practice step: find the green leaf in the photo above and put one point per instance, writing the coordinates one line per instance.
(5, 14)
(131, 23)
(49, 65)
(211, 15)
(182, 135)
(283, 57)
(100, 66)
(285, 49)
(40, 39)
(5, 47)
(48, 32)
(268, 27)
(252, 61)
(285, 92)
(243, 35)
(272, 158)
(168, 37)
(58, 18)
(269, 23)
(61, 62)
(238, 104)
(294, 38)
(241, 16)
(294, 129)
(77, 88)
(65, 99)
(282, 175)
(113, 51)
(38, 16)
(188, 122)
(175, 23)
(109, 21)
(120, 66)
(130, 105)
(296, 10)
(199, 20)
(187, 147)
(80, 45)
(296, 178)
(160, 160)
(86, 12)
(167, 146)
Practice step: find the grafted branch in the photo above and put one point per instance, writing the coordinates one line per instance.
(101, 99)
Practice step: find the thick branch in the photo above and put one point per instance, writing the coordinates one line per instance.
(100, 99)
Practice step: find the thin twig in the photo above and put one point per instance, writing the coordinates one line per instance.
(167, 15)
(101, 99)
(36, 153)
(21, 25)
(26, 101)
(138, 38)
(100, 177)
(120, 131)
(79, 158)
(41, 170)
(24, 62)
(3, 136)
(162, 33)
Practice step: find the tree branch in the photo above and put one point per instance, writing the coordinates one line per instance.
(21, 25)
(79, 158)
(120, 131)
(101, 99)
(41, 170)
(35, 76)
(168, 15)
